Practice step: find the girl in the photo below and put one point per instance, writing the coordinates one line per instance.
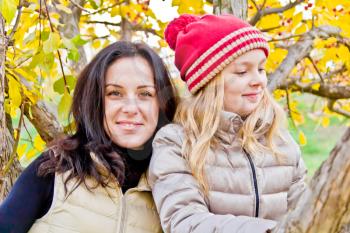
(93, 180)
(228, 164)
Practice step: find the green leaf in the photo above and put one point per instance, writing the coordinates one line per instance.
(52, 43)
(67, 43)
(8, 9)
(64, 107)
(74, 55)
(45, 35)
(38, 58)
(93, 4)
(58, 86)
(78, 41)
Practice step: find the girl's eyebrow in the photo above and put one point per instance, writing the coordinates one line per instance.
(249, 63)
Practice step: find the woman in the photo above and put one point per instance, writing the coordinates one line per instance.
(228, 164)
(93, 180)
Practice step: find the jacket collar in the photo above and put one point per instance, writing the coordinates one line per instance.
(230, 124)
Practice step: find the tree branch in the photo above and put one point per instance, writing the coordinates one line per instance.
(325, 90)
(103, 9)
(315, 67)
(268, 11)
(332, 107)
(44, 122)
(103, 22)
(297, 52)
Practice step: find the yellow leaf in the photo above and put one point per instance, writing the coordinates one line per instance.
(297, 19)
(96, 44)
(162, 43)
(38, 143)
(302, 138)
(31, 154)
(325, 122)
(8, 9)
(269, 21)
(279, 94)
(21, 149)
(316, 86)
(15, 92)
(115, 11)
(52, 43)
(289, 13)
(301, 29)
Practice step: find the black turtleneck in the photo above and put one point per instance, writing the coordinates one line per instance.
(31, 195)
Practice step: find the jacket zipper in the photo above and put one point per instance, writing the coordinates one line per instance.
(255, 183)
(124, 208)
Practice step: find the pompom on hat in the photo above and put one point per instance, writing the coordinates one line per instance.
(205, 45)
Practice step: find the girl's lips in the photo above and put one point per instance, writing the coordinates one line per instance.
(252, 96)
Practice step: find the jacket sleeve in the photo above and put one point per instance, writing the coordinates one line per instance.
(298, 186)
(179, 200)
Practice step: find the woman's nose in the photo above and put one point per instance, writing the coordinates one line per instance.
(130, 105)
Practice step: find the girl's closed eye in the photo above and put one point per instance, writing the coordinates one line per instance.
(240, 73)
(261, 70)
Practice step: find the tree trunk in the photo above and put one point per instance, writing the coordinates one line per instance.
(325, 208)
(238, 8)
(9, 165)
(71, 29)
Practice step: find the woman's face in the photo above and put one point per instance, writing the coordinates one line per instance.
(245, 80)
(131, 104)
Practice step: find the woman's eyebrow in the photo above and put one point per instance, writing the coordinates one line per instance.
(145, 86)
(113, 84)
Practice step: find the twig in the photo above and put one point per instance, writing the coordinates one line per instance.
(58, 52)
(332, 107)
(285, 38)
(269, 11)
(255, 5)
(289, 108)
(315, 67)
(103, 9)
(78, 6)
(18, 17)
(30, 136)
(103, 22)
(271, 28)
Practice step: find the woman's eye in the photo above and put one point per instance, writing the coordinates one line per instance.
(114, 93)
(146, 94)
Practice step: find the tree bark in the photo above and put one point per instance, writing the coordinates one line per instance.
(325, 207)
(9, 170)
(71, 29)
(238, 8)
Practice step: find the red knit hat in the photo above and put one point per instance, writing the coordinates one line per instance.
(205, 45)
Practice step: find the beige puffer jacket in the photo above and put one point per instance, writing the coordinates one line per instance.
(247, 193)
(104, 209)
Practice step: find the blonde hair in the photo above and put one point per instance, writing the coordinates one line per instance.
(200, 116)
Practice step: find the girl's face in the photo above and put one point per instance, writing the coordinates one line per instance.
(131, 104)
(244, 82)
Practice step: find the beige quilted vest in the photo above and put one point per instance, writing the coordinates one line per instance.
(105, 210)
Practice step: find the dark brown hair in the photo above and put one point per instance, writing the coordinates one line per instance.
(72, 153)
